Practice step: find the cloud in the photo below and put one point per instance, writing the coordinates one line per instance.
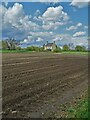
(41, 34)
(14, 14)
(79, 4)
(27, 40)
(86, 27)
(80, 33)
(54, 17)
(39, 39)
(38, 28)
(66, 39)
(57, 38)
(37, 12)
(6, 3)
(54, 14)
(15, 20)
(74, 27)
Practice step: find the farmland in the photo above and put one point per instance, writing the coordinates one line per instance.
(35, 85)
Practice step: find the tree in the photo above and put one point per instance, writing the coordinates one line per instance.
(65, 47)
(83, 48)
(80, 48)
(5, 45)
(9, 44)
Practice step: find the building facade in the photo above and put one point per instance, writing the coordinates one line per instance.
(50, 46)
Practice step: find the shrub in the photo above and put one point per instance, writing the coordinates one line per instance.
(58, 49)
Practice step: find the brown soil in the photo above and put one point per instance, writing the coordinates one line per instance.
(35, 85)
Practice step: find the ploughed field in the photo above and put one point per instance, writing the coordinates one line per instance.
(36, 84)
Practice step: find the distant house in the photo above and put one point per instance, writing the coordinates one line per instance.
(50, 46)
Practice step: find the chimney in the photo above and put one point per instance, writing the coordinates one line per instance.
(47, 42)
(54, 42)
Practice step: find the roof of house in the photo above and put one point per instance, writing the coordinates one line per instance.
(49, 44)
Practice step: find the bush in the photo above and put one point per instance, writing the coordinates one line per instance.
(34, 48)
(57, 50)
(18, 48)
(41, 49)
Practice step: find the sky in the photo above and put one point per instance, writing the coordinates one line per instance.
(35, 23)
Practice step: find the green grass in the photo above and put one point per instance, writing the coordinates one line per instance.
(75, 52)
(77, 108)
(80, 110)
(14, 51)
(63, 52)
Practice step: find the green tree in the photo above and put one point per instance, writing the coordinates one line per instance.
(30, 48)
(80, 48)
(65, 47)
(83, 48)
(5, 45)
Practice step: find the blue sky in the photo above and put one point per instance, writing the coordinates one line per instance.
(34, 23)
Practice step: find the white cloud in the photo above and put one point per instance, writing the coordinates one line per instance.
(54, 14)
(54, 17)
(80, 41)
(14, 14)
(57, 38)
(52, 26)
(41, 34)
(66, 39)
(19, 24)
(15, 21)
(74, 27)
(37, 12)
(39, 39)
(86, 27)
(27, 40)
(80, 33)
(79, 4)
(61, 39)
(79, 24)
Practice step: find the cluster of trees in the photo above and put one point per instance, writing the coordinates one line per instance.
(67, 48)
(80, 48)
(12, 45)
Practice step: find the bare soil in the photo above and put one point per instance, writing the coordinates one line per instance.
(34, 85)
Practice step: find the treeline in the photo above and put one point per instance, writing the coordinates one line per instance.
(13, 45)
(67, 48)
